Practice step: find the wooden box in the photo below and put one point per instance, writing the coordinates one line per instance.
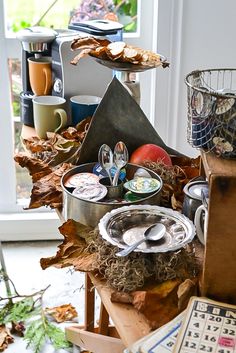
(219, 270)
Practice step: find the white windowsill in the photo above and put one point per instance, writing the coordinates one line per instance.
(29, 226)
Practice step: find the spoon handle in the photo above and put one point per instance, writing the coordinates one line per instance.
(130, 248)
(116, 177)
(109, 175)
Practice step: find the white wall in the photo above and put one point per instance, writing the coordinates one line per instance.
(194, 34)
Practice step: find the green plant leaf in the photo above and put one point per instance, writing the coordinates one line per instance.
(4, 312)
(35, 335)
(21, 310)
(40, 330)
(57, 336)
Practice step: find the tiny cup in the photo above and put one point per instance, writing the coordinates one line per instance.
(113, 192)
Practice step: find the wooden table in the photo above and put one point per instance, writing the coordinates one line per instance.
(129, 324)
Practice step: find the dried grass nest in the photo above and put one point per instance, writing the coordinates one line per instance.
(133, 271)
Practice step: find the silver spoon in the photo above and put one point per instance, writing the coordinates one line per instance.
(121, 157)
(154, 232)
(105, 158)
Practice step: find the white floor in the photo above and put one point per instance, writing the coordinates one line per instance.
(23, 267)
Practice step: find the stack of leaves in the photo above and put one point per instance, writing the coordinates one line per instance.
(47, 160)
(174, 178)
(58, 148)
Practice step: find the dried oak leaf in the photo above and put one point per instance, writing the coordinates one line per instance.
(34, 144)
(186, 289)
(72, 252)
(158, 304)
(62, 313)
(47, 191)
(37, 169)
(5, 338)
(164, 301)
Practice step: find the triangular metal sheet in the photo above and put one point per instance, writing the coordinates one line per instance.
(118, 118)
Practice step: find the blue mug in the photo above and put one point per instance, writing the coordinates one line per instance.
(83, 106)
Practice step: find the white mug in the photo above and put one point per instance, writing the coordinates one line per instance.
(201, 230)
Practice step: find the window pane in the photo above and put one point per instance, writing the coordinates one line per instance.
(58, 13)
(23, 180)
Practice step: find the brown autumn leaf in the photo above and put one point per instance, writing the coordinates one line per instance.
(159, 303)
(5, 338)
(37, 169)
(62, 313)
(72, 252)
(186, 289)
(46, 189)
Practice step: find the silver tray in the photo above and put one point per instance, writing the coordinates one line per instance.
(126, 66)
(126, 225)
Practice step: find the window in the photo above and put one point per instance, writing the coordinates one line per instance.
(15, 184)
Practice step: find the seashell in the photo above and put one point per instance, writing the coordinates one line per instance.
(132, 54)
(223, 105)
(201, 104)
(115, 50)
(222, 145)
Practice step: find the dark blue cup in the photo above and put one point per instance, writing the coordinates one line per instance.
(83, 106)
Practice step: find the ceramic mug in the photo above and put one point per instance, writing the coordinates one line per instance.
(49, 114)
(200, 221)
(40, 75)
(83, 106)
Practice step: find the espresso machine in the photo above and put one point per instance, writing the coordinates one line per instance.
(87, 78)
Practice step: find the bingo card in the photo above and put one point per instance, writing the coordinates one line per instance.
(209, 326)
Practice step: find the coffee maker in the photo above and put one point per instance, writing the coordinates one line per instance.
(87, 78)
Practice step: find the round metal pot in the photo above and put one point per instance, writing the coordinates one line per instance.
(89, 212)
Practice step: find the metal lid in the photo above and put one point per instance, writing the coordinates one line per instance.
(36, 34)
(91, 192)
(81, 179)
(194, 189)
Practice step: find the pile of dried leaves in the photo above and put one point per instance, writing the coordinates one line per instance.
(58, 148)
(47, 160)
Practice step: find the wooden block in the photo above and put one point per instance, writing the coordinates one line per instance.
(219, 270)
(93, 342)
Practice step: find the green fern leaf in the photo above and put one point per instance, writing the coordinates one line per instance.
(57, 336)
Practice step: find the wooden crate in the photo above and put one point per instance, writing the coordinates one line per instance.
(93, 341)
(219, 270)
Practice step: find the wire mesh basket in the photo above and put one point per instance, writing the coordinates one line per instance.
(211, 98)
